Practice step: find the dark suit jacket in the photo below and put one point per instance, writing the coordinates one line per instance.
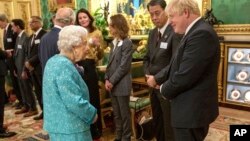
(48, 46)
(192, 84)
(19, 55)
(9, 43)
(32, 52)
(10, 39)
(158, 55)
(2, 54)
(3, 68)
(118, 69)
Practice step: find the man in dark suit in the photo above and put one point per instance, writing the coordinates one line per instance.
(192, 82)
(32, 62)
(48, 46)
(9, 40)
(160, 48)
(3, 72)
(23, 75)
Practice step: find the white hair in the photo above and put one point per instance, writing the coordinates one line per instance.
(65, 15)
(71, 36)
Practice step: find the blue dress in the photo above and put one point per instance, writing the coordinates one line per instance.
(67, 111)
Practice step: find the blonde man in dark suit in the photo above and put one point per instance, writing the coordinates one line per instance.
(192, 82)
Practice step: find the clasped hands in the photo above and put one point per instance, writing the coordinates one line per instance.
(108, 85)
(151, 81)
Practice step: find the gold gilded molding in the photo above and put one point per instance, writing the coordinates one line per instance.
(24, 8)
(206, 4)
(6, 7)
(38, 7)
(233, 29)
(54, 5)
(226, 29)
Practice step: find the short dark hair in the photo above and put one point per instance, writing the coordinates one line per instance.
(90, 27)
(162, 3)
(18, 22)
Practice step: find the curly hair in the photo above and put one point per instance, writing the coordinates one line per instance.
(71, 36)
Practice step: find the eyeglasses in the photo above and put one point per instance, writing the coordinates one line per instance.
(33, 22)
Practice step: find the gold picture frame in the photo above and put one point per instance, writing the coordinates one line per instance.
(225, 29)
(55, 4)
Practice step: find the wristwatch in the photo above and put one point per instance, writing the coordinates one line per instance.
(242, 75)
(238, 55)
(235, 94)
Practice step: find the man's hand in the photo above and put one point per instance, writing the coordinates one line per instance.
(108, 85)
(28, 66)
(151, 81)
(24, 75)
(9, 52)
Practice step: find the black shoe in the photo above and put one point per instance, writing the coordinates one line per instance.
(38, 117)
(6, 134)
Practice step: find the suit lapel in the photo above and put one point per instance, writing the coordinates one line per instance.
(164, 38)
(182, 46)
(111, 55)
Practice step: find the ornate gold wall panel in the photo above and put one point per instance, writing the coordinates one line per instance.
(7, 6)
(23, 11)
(226, 29)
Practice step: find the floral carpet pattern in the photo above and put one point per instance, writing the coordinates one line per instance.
(28, 129)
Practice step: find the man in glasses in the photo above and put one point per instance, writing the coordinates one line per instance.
(32, 62)
(162, 44)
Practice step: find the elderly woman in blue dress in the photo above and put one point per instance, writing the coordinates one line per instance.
(67, 111)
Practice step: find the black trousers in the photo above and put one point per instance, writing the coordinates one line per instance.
(191, 134)
(2, 97)
(27, 94)
(91, 79)
(37, 83)
(161, 117)
(14, 79)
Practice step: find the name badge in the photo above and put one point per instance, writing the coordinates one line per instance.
(9, 39)
(19, 46)
(164, 45)
(37, 41)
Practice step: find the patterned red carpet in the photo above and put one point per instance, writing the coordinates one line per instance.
(26, 128)
(30, 130)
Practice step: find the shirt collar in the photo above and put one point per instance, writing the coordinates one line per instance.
(162, 30)
(57, 26)
(36, 33)
(21, 33)
(6, 28)
(191, 25)
(117, 42)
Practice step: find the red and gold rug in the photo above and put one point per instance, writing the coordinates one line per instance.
(30, 130)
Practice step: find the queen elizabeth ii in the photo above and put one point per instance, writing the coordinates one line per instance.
(67, 111)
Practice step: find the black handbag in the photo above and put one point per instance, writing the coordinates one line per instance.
(145, 130)
(144, 125)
